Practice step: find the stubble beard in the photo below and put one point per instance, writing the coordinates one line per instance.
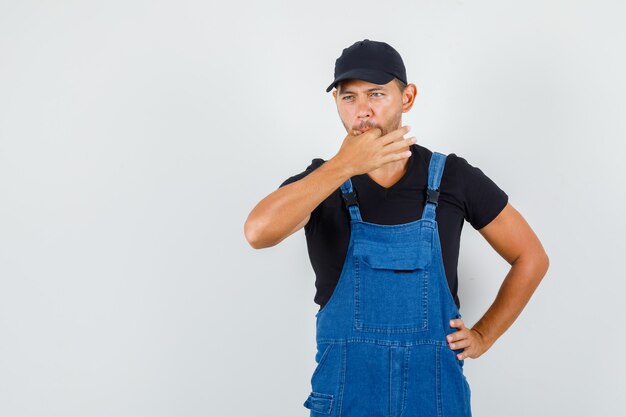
(366, 124)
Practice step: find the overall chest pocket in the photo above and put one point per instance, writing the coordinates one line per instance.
(391, 288)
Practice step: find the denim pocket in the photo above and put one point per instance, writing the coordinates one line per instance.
(453, 387)
(319, 403)
(391, 288)
(460, 375)
(320, 357)
(326, 378)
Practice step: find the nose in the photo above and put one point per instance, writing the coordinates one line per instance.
(363, 109)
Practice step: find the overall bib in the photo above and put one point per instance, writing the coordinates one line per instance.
(381, 337)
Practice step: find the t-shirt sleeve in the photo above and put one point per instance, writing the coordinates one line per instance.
(483, 198)
(315, 163)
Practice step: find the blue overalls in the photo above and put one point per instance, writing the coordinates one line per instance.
(381, 337)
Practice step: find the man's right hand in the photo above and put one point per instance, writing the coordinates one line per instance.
(288, 209)
(365, 152)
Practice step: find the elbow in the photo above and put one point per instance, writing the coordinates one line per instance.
(252, 235)
(545, 262)
(540, 264)
(253, 232)
(536, 263)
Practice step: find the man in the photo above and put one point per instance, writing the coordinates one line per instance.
(383, 220)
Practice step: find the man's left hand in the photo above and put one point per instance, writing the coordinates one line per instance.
(470, 340)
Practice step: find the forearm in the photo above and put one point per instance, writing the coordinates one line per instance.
(275, 217)
(515, 292)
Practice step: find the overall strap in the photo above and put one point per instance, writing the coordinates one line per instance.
(435, 171)
(349, 198)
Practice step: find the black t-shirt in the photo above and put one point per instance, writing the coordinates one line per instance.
(466, 193)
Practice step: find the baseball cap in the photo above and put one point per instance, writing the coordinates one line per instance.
(373, 61)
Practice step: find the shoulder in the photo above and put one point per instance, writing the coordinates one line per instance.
(463, 170)
(315, 163)
(455, 167)
(481, 197)
(453, 162)
(467, 187)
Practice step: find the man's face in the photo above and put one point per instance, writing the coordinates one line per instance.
(363, 105)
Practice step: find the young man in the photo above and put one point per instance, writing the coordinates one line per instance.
(383, 220)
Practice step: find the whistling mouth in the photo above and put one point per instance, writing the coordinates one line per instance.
(364, 129)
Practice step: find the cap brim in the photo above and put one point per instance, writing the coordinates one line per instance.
(365, 74)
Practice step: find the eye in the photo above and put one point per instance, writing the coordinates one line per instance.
(345, 97)
(378, 93)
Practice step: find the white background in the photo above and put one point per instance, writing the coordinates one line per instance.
(136, 136)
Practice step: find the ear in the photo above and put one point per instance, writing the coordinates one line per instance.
(335, 94)
(408, 97)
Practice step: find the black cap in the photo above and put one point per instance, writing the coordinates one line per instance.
(373, 61)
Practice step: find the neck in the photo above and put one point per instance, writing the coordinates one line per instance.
(390, 173)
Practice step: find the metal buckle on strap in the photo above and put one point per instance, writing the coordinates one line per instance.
(432, 196)
(350, 198)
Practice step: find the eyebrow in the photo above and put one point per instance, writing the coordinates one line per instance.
(369, 89)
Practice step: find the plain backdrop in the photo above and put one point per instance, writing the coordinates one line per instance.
(136, 136)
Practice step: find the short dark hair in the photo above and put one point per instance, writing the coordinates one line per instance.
(401, 84)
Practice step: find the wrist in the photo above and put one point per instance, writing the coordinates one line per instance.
(481, 335)
(338, 164)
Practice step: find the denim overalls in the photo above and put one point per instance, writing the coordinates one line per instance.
(381, 337)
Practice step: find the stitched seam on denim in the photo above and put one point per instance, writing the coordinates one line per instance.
(357, 280)
(405, 381)
(342, 381)
(425, 223)
(390, 377)
(425, 301)
(381, 329)
(322, 360)
(468, 398)
(443, 280)
(385, 342)
(340, 284)
(438, 380)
